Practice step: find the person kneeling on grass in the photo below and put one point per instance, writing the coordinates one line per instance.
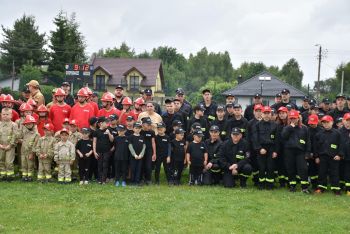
(137, 148)
(64, 152)
(197, 158)
(234, 159)
(84, 151)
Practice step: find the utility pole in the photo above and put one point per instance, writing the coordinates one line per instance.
(13, 74)
(342, 81)
(319, 57)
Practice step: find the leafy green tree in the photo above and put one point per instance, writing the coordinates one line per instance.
(249, 69)
(292, 74)
(28, 73)
(124, 51)
(22, 45)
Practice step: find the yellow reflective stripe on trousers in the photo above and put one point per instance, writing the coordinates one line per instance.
(322, 186)
(68, 180)
(304, 182)
(335, 188)
(60, 179)
(40, 177)
(313, 177)
(292, 182)
(270, 180)
(10, 173)
(48, 176)
(347, 184)
(262, 179)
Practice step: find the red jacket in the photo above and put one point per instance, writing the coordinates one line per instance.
(94, 107)
(105, 113)
(57, 114)
(41, 125)
(15, 115)
(122, 117)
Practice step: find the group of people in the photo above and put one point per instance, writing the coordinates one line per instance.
(125, 141)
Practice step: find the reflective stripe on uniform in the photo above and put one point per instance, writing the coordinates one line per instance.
(335, 188)
(48, 176)
(68, 180)
(211, 117)
(292, 182)
(262, 179)
(270, 180)
(61, 179)
(304, 182)
(314, 177)
(322, 186)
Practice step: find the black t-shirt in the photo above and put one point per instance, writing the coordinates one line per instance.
(103, 145)
(113, 131)
(196, 151)
(84, 146)
(121, 145)
(148, 135)
(162, 145)
(137, 143)
(129, 132)
(177, 150)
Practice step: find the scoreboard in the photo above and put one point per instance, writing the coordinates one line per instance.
(79, 70)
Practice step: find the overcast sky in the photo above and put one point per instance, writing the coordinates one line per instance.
(268, 31)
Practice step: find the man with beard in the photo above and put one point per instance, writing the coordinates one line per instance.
(107, 106)
(185, 105)
(340, 109)
(139, 105)
(285, 101)
(60, 110)
(82, 111)
(119, 90)
(69, 98)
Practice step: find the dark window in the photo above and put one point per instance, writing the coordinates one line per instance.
(134, 82)
(123, 83)
(100, 83)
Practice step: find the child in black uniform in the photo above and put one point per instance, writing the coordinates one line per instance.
(150, 153)
(121, 156)
(163, 152)
(137, 148)
(197, 158)
(177, 158)
(84, 151)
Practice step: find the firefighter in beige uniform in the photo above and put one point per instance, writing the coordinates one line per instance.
(74, 137)
(64, 152)
(44, 151)
(29, 137)
(8, 133)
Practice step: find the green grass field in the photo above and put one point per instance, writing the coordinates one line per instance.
(53, 208)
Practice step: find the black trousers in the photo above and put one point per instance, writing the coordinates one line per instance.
(84, 166)
(147, 165)
(312, 170)
(135, 168)
(103, 165)
(244, 172)
(121, 169)
(266, 166)
(176, 171)
(296, 165)
(211, 178)
(281, 167)
(93, 171)
(254, 164)
(347, 174)
(161, 160)
(328, 166)
(111, 168)
(196, 174)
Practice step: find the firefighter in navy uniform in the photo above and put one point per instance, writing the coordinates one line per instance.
(345, 133)
(297, 148)
(213, 174)
(340, 110)
(314, 128)
(198, 117)
(209, 105)
(237, 121)
(249, 111)
(265, 143)
(329, 153)
(253, 156)
(221, 122)
(234, 160)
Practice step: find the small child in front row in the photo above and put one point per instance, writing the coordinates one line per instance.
(177, 158)
(64, 152)
(44, 151)
(137, 148)
(84, 151)
(163, 152)
(121, 156)
(197, 158)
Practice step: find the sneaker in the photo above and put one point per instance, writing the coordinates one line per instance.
(86, 182)
(117, 183)
(123, 184)
(306, 191)
(81, 182)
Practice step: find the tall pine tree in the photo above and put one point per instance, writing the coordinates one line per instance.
(22, 45)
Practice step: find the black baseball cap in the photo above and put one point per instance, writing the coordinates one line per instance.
(146, 120)
(214, 128)
(129, 118)
(326, 100)
(220, 108)
(120, 127)
(285, 91)
(102, 119)
(229, 105)
(199, 107)
(198, 133)
(113, 117)
(180, 91)
(161, 125)
(236, 131)
(230, 95)
(148, 92)
(237, 105)
(306, 98)
(257, 95)
(179, 131)
(119, 87)
(65, 83)
(168, 100)
(196, 125)
(93, 120)
(278, 95)
(85, 130)
(137, 125)
(340, 95)
(177, 123)
(25, 89)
